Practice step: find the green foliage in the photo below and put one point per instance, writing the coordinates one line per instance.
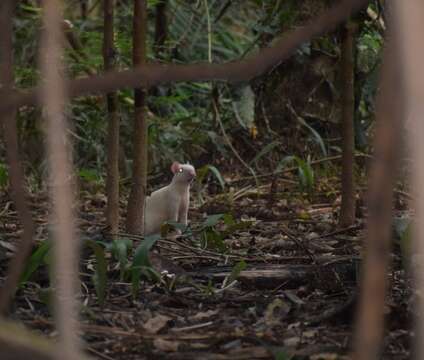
(36, 260)
(100, 274)
(204, 170)
(120, 249)
(39, 258)
(305, 171)
(89, 175)
(235, 272)
(182, 117)
(403, 227)
(306, 174)
(282, 355)
(315, 134)
(265, 151)
(4, 176)
(141, 263)
(369, 55)
(244, 106)
(211, 237)
(168, 226)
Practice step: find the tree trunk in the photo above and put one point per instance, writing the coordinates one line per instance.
(84, 9)
(390, 110)
(136, 201)
(61, 186)
(348, 205)
(161, 27)
(112, 142)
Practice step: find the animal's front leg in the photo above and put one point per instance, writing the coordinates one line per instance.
(173, 215)
(183, 210)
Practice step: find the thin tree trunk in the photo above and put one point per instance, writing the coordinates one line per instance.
(161, 31)
(84, 9)
(16, 175)
(410, 27)
(135, 211)
(112, 142)
(161, 27)
(348, 205)
(66, 244)
(387, 144)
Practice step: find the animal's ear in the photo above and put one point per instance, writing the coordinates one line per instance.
(175, 167)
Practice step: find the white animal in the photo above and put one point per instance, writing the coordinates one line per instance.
(171, 202)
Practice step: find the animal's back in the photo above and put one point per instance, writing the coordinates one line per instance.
(156, 212)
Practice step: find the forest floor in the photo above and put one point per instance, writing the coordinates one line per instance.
(296, 298)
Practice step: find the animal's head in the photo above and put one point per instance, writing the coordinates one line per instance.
(183, 173)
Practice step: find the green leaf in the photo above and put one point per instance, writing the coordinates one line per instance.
(217, 174)
(100, 275)
(244, 106)
(177, 225)
(35, 261)
(212, 220)
(141, 260)
(228, 219)
(283, 163)
(204, 170)
(4, 175)
(266, 149)
(89, 175)
(120, 248)
(213, 239)
(281, 355)
(306, 173)
(235, 272)
(317, 136)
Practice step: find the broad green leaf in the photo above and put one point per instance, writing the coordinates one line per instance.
(244, 106)
(317, 136)
(213, 239)
(120, 249)
(217, 174)
(204, 170)
(266, 149)
(212, 220)
(100, 275)
(306, 173)
(235, 272)
(141, 260)
(35, 261)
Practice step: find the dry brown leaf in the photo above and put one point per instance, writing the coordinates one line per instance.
(166, 345)
(155, 324)
(204, 315)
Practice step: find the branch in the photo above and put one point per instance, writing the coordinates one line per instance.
(233, 72)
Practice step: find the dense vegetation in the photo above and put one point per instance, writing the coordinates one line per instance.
(180, 116)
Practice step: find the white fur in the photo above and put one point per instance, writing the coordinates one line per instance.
(171, 202)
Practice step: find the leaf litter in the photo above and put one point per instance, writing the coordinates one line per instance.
(272, 278)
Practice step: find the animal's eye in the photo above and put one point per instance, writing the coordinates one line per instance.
(181, 170)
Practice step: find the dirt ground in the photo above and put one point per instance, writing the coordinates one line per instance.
(295, 299)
